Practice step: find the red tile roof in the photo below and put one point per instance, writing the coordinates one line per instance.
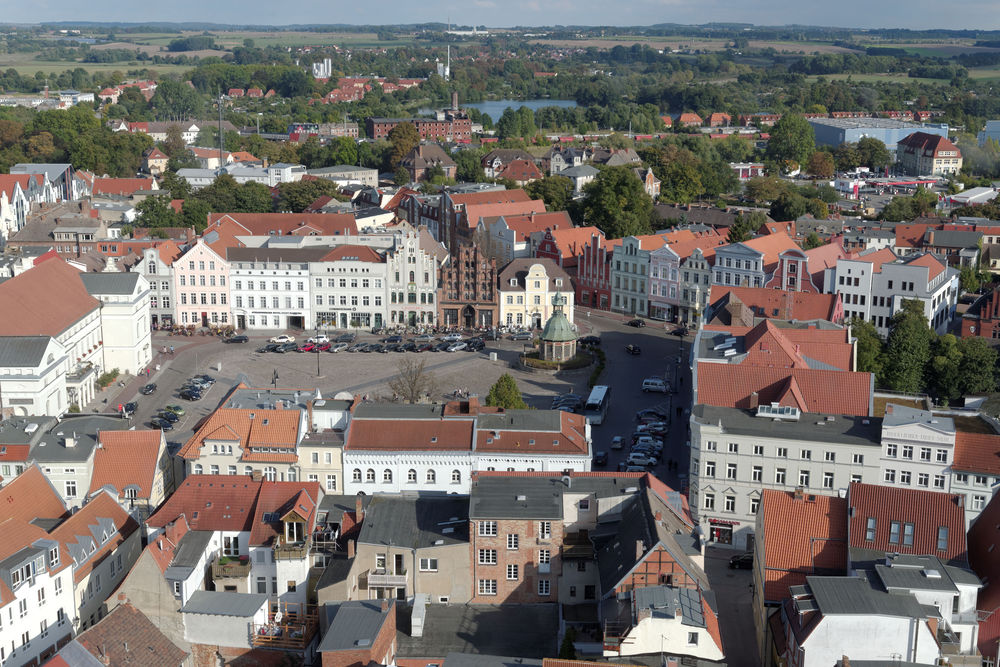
(934, 266)
(689, 118)
(911, 236)
(525, 225)
(571, 439)
(247, 427)
(163, 547)
(490, 197)
(168, 251)
(121, 186)
(977, 452)
(476, 212)
(984, 546)
(282, 224)
(9, 181)
(28, 496)
(766, 344)
(925, 143)
(126, 637)
(772, 245)
(210, 502)
(80, 525)
(571, 240)
(926, 510)
(810, 390)
(361, 253)
(802, 536)
(48, 299)
(520, 171)
(127, 459)
(876, 259)
(279, 499)
(410, 435)
(789, 305)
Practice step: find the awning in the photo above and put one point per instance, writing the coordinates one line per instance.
(723, 522)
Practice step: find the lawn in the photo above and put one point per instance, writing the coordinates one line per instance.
(26, 65)
(880, 401)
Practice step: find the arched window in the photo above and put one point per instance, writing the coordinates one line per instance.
(411, 476)
(387, 476)
(412, 277)
(456, 476)
(198, 469)
(370, 475)
(431, 477)
(356, 475)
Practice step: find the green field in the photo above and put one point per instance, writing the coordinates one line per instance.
(985, 73)
(26, 65)
(294, 39)
(879, 78)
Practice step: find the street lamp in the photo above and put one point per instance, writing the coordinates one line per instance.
(274, 378)
(316, 350)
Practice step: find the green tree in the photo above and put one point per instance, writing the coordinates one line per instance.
(968, 279)
(616, 203)
(469, 168)
(174, 143)
(401, 176)
(556, 191)
(873, 154)
(567, 651)
(907, 349)
(943, 369)
(194, 213)
(870, 347)
(297, 195)
(505, 394)
(789, 206)
(978, 367)
(762, 189)
(682, 183)
(812, 241)
(745, 226)
(820, 165)
(254, 198)
(847, 157)
(155, 211)
(792, 140)
(404, 138)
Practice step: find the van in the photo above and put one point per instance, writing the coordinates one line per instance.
(655, 384)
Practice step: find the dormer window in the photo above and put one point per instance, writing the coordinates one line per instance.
(53, 556)
(513, 282)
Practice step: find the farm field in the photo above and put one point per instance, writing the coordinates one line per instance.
(26, 65)
(878, 78)
(230, 39)
(706, 44)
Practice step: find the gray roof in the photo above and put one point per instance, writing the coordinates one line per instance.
(583, 171)
(477, 660)
(857, 597)
(952, 239)
(522, 420)
(110, 283)
(525, 498)
(903, 415)
(836, 428)
(340, 169)
(54, 170)
(667, 601)
(338, 567)
(864, 123)
(224, 603)
(914, 578)
(267, 399)
(416, 522)
(24, 430)
(354, 625)
(372, 410)
(22, 351)
(51, 446)
(517, 630)
(75, 654)
(269, 254)
(188, 554)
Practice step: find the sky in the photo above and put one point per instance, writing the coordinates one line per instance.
(916, 14)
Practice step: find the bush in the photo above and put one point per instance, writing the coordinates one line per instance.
(581, 360)
(73, 408)
(107, 378)
(595, 375)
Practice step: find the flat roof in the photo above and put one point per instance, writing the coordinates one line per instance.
(848, 430)
(224, 603)
(520, 631)
(520, 498)
(862, 123)
(354, 625)
(416, 522)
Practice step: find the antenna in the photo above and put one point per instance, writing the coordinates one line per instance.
(222, 159)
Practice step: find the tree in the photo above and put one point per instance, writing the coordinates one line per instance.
(556, 191)
(870, 347)
(789, 206)
(977, 368)
(404, 138)
(413, 381)
(761, 189)
(873, 154)
(907, 349)
(820, 165)
(469, 168)
(745, 226)
(295, 196)
(943, 369)
(401, 176)
(567, 650)
(616, 203)
(968, 279)
(812, 241)
(174, 143)
(155, 211)
(791, 140)
(505, 394)
(682, 183)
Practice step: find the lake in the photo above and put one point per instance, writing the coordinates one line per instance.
(495, 108)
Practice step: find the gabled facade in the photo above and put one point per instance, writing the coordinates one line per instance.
(156, 266)
(527, 287)
(125, 319)
(467, 294)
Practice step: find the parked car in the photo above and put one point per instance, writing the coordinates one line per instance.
(589, 340)
(638, 459)
(422, 339)
(199, 383)
(374, 347)
(283, 338)
(323, 347)
(393, 339)
(600, 458)
(346, 338)
(357, 347)
(475, 345)
(338, 347)
(442, 347)
(452, 337)
(653, 412)
(522, 335)
(424, 347)
(633, 349)
(239, 338)
(680, 331)
(148, 389)
(455, 347)
(637, 323)
(321, 338)
(287, 347)
(617, 442)
(168, 415)
(161, 424)
(270, 347)
(176, 409)
(190, 394)
(655, 384)
(408, 347)
(743, 561)
(492, 334)
(205, 378)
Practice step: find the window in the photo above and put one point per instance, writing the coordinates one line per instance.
(387, 476)
(894, 532)
(231, 546)
(942, 456)
(356, 475)
(511, 572)
(41, 596)
(858, 459)
(923, 479)
(428, 565)
(545, 530)
(730, 503)
(544, 586)
(779, 476)
(22, 606)
(925, 453)
(830, 457)
(942, 538)
(487, 528)
(331, 482)
(709, 468)
(890, 476)
(730, 471)
(806, 455)
(411, 476)
(456, 476)
(754, 505)
(757, 474)
(70, 486)
(370, 475)
(544, 556)
(380, 561)
(431, 477)
(828, 480)
(962, 478)
(782, 452)
(907, 452)
(213, 469)
(692, 639)
(978, 502)
(710, 446)
(53, 556)
(803, 478)
(758, 450)
(890, 451)
(734, 448)
(709, 502)
(512, 541)
(487, 586)
(58, 585)
(908, 534)
(938, 481)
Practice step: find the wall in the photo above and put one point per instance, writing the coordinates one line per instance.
(656, 635)
(147, 590)
(530, 571)
(871, 638)
(125, 322)
(231, 631)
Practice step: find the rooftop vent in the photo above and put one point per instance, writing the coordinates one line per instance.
(522, 498)
(932, 574)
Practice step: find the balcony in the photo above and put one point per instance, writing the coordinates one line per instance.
(382, 579)
(292, 550)
(291, 628)
(227, 567)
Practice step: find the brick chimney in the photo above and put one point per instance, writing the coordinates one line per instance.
(474, 404)
(385, 605)
(350, 548)
(640, 549)
(799, 493)
(359, 507)
(754, 400)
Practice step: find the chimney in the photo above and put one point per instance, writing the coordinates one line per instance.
(454, 100)
(658, 516)
(385, 605)
(474, 404)
(257, 476)
(350, 548)
(640, 549)
(888, 409)
(799, 492)
(70, 441)
(358, 507)
(754, 400)
(845, 661)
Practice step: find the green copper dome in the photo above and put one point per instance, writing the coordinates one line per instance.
(558, 329)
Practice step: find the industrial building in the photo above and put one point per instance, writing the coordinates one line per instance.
(836, 131)
(992, 131)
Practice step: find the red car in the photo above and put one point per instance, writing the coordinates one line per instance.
(308, 347)
(323, 347)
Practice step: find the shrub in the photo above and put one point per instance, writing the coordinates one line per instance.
(107, 378)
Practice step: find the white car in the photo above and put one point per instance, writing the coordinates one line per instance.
(322, 338)
(452, 337)
(283, 338)
(338, 347)
(455, 347)
(641, 460)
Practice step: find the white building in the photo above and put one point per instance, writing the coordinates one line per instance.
(349, 288)
(125, 320)
(270, 287)
(412, 268)
(671, 618)
(527, 287)
(157, 268)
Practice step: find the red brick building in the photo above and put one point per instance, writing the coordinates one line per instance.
(983, 318)
(593, 273)
(456, 127)
(467, 289)
(361, 633)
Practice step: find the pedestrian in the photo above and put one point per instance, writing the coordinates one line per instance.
(171, 350)
(147, 373)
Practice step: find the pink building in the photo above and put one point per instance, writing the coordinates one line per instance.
(202, 287)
